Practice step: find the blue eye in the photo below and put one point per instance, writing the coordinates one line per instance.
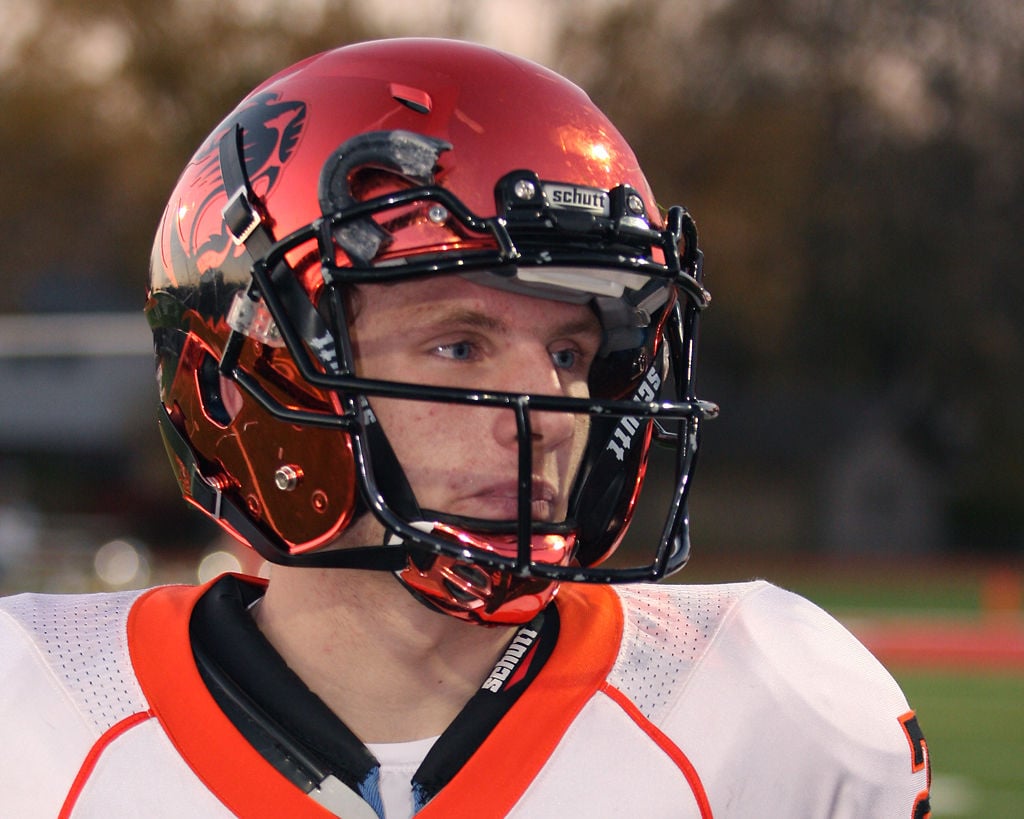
(459, 351)
(565, 359)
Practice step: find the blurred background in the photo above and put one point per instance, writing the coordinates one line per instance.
(856, 168)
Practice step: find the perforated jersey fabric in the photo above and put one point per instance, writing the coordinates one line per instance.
(84, 639)
(658, 701)
(664, 636)
(79, 736)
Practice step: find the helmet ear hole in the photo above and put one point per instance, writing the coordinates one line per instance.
(219, 406)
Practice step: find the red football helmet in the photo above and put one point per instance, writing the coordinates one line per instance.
(395, 160)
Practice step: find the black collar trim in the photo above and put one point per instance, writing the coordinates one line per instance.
(298, 734)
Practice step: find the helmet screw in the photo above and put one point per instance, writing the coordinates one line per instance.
(525, 189)
(635, 203)
(438, 214)
(287, 478)
(319, 501)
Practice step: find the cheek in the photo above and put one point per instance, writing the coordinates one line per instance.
(428, 440)
(412, 427)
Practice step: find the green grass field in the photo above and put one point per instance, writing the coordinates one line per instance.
(974, 725)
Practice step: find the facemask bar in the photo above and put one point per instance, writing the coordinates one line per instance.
(315, 352)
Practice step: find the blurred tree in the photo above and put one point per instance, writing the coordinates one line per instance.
(857, 171)
(103, 103)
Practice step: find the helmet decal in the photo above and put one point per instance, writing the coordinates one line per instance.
(272, 130)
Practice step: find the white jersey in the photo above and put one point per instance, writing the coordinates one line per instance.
(658, 701)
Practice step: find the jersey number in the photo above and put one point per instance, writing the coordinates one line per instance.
(918, 761)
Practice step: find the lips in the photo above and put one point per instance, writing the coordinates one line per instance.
(500, 501)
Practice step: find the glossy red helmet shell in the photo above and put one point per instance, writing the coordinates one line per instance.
(476, 115)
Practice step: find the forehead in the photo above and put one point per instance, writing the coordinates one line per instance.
(451, 298)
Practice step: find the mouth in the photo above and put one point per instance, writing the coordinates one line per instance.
(500, 501)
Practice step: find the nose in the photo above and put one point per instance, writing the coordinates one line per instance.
(536, 375)
(549, 431)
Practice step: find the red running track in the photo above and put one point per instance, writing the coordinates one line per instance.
(988, 644)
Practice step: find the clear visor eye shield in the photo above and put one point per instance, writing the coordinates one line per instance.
(643, 283)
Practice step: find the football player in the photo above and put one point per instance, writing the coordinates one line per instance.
(418, 321)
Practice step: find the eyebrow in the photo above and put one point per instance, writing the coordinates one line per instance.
(463, 317)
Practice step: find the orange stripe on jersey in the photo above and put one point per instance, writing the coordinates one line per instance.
(95, 752)
(674, 752)
(220, 756)
(588, 642)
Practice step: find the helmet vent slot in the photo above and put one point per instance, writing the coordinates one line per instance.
(413, 98)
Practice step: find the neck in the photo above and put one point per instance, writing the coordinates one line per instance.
(389, 667)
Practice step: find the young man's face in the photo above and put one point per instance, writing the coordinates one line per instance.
(460, 459)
